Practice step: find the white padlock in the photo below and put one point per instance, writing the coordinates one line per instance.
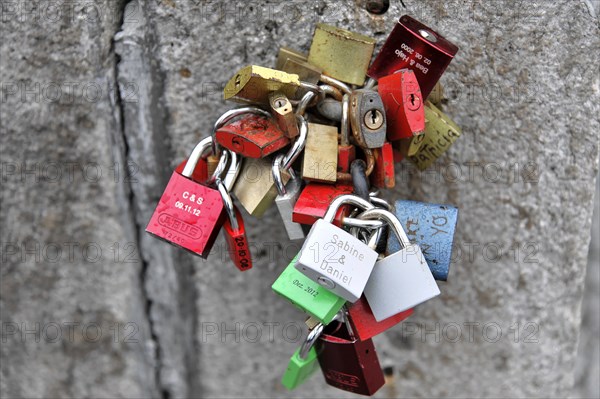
(335, 258)
(401, 280)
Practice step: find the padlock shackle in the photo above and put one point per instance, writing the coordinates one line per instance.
(305, 102)
(345, 129)
(332, 91)
(391, 219)
(228, 116)
(380, 202)
(228, 204)
(235, 166)
(298, 146)
(276, 170)
(335, 83)
(345, 199)
(313, 336)
(220, 169)
(195, 156)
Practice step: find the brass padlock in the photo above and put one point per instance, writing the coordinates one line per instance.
(342, 54)
(320, 153)
(285, 54)
(254, 83)
(282, 110)
(255, 186)
(440, 133)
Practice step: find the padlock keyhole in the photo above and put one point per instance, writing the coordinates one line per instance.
(238, 80)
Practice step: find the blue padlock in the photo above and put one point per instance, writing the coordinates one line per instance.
(431, 226)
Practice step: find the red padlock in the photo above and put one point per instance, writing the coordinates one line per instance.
(363, 322)
(188, 215)
(349, 363)
(314, 201)
(414, 46)
(253, 136)
(403, 102)
(200, 174)
(235, 232)
(383, 175)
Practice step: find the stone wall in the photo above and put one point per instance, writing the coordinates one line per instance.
(100, 101)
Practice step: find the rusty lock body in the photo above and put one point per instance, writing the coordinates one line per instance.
(415, 46)
(189, 215)
(383, 175)
(404, 105)
(253, 84)
(253, 136)
(367, 118)
(282, 110)
(342, 54)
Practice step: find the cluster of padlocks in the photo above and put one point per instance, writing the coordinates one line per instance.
(319, 136)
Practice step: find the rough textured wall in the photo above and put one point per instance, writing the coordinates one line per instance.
(146, 80)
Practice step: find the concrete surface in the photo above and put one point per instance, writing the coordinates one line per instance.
(147, 80)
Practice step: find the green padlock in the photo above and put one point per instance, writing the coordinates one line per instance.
(307, 295)
(304, 361)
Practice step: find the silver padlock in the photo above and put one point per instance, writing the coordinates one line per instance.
(402, 280)
(285, 201)
(335, 258)
(367, 118)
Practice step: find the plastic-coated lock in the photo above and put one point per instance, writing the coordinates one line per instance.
(254, 83)
(404, 105)
(440, 133)
(431, 226)
(334, 258)
(314, 201)
(253, 136)
(383, 175)
(401, 280)
(363, 321)
(307, 295)
(414, 46)
(304, 361)
(188, 215)
(348, 363)
(367, 118)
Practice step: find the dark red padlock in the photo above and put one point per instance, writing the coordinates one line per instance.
(363, 322)
(349, 363)
(253, 136)
(383, 175)
(188, 214)
(314, 200)
(235, 232)
(404, 105)
(414, 46)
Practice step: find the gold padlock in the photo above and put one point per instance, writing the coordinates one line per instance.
(285, 54)
(211, 163)
(282, 110)
(255, 187)
(254, 84)
(440, 133)
(342, 54)
(320, 153)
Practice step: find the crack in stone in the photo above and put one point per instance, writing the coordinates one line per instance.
(131, 201)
